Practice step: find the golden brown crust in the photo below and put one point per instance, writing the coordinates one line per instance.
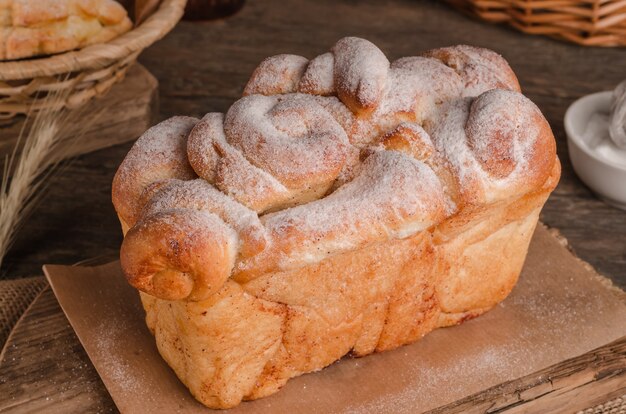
(367, 300)
(345, 205)
(41, 27)
(179, 254)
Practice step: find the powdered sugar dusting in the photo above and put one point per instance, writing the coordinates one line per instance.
(202, 196)
(277, 74)
(118, 370)
(340, 113)
(360, 71)
(318, 79)
(163, 145)
(394, 196)
(200, 149)
(420, 85)
(500, 128)
(424, 380)
(489, 141)
(159, 154)
(215, 160)
(292, 138)
(449, 138)
(416, 89)
(481, 69)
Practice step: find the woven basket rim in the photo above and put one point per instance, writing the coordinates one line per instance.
(584, 22)
(100, 55)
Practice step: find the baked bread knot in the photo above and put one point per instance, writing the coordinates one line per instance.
(344, 204)
(270, 152)
(327, 156)
(43, 27)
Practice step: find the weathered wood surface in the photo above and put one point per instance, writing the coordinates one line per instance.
(45, 369)
(202, 67)
(126, 111)
(570, 386)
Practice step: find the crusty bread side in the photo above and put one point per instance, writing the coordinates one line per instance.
(247, 340)
(44, 27)
(345, 204)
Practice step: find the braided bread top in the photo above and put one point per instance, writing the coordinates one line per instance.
(325, 156)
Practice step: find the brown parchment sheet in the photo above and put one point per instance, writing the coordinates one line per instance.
(558, 310)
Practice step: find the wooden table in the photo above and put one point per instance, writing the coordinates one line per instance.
(203, 67)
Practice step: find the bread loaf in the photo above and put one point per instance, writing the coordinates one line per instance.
(43, 27)
(345, 204)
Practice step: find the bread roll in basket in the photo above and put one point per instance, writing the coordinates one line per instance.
(346, 204)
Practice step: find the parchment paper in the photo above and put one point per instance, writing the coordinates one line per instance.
(559, 309)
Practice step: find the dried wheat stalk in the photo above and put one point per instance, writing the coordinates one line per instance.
(25, 175)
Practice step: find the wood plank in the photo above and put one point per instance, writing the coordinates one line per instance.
(567, 387)
(43, 367)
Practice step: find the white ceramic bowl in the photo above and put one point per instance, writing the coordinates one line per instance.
(607, 179)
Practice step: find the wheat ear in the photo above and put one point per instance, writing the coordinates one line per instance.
(25, 175)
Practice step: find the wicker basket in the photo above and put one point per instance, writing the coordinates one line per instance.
(585, 22)
(83, 73)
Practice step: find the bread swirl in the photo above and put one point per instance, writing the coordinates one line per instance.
(344, 204)
(43, 27)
